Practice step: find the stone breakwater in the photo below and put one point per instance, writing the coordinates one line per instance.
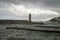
(12, 34)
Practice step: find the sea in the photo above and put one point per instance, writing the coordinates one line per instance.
(14, 34)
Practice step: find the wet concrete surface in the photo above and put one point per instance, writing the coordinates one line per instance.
(13, 34)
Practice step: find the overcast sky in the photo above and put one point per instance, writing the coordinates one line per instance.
(41, 10)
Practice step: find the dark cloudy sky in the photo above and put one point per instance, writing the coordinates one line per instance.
(41, 10)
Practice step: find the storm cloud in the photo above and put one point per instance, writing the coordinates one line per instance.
(19, 9)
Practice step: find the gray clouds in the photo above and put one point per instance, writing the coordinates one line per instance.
(50, 3)
(19, 9)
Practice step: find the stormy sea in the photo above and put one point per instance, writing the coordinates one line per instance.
(14, 34)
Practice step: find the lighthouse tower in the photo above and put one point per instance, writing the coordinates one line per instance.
(29, 17)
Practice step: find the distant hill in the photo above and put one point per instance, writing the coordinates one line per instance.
(56, 19)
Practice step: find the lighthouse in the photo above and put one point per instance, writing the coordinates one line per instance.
(29, 17)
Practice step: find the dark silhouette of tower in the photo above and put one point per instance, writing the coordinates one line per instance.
(29, 17)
